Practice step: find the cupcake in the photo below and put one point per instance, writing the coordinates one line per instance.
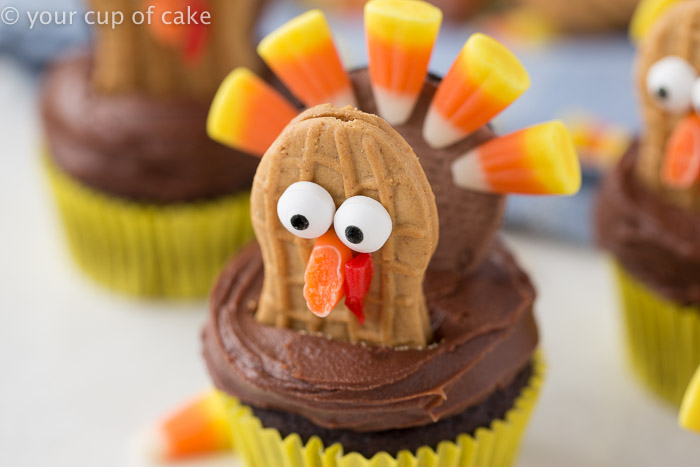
(150, 204)
(585, 15)
(378, 320)
(647, 213)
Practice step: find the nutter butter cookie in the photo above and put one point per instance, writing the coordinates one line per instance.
(348, 333)
(647, 213)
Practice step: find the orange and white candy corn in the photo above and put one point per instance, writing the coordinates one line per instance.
(199, 427)
(302, 54)
(540, 160)
(247, 114)
(400, 38)
(484, 80)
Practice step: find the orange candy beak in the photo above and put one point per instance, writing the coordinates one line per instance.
(324, 278)
(681, 167)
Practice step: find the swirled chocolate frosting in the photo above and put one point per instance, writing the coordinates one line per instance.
(484, 329)
(655, 241)
(135, 146)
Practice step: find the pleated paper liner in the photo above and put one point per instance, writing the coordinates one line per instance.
(663, 338)
(496, 446)
(172, 252)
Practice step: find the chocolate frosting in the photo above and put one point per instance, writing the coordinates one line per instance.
(484, 331)
(136, 146)
(467, 422)
(468, 219)
(656, 241)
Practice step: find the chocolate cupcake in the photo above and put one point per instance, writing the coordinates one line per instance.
(647, 214)
(585, 16)
(378, 319)
(150, 204)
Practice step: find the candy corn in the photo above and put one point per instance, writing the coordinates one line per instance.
(325, 274)
(400, 39)
(681, 167)
(540, 160)
(247, 114)
(689, 417)
(199, 427)
(484, 79)
(358, 280)
(302, 54)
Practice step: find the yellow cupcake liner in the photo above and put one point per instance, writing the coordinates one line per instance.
(663, 338)
(146, 250)
(496, 446)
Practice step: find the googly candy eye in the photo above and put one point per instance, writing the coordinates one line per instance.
(306, 210)
(362, 224)
(670, 84)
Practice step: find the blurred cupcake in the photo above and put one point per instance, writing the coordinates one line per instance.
(453, 9)
(647, 214)
(151, 206)
(374, 323)
(584, 15)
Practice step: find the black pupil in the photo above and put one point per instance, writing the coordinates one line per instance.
(299, 222)
(662, 93)
(354, 235)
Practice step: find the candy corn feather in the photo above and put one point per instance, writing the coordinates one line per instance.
(540, 160)
(484, 80)
(302, 54)
(400, 38)
(247, 114)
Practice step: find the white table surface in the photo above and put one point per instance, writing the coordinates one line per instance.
(81, 370)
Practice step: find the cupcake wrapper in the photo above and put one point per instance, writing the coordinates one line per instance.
(663, 338)
(172, 251)
(495, 446)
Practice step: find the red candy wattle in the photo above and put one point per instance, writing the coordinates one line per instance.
(358, 279)
(197, 34)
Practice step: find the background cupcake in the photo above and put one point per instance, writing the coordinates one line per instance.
(647, 213)
(151, 206)
(585, 15)
(362, 328)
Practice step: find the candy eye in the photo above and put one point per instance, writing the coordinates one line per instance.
(306, 209)
(362, 224)
(670, 84)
